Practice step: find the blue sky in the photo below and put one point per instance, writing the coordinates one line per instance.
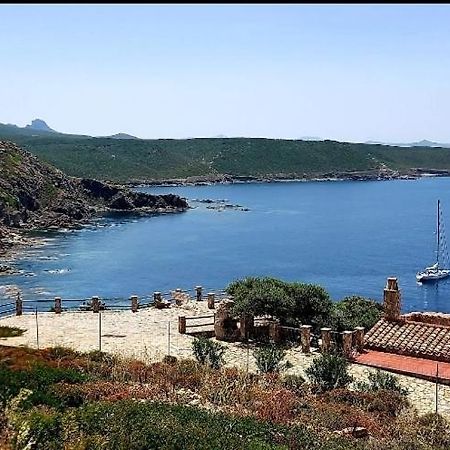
(357, 73)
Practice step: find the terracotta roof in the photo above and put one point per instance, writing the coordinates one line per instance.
(410, 338)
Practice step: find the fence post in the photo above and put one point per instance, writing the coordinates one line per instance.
(247, 326)
(134, 303)
(19, 305)
(359, 338)
(347, 343)
(58, 305)
(325, 334)
(275, 332)
(198, 292)
(99, 331)
(211, 299)
(182, 324)
(168, 338)
(305, 337)
(436, 388)
(95, 304)
(37, 329)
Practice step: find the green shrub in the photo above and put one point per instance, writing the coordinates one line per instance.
(10, 332)
(291, 303)
(329, 371)
(136, 426)
(61, 352)
(39, 380)
(355, 311)
(293, 382)
(269, 358)
(98, 356)
(208, 352)
(379, 380)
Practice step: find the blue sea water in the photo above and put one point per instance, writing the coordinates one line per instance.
(346, 236)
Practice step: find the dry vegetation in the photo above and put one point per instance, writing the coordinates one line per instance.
(183, 404)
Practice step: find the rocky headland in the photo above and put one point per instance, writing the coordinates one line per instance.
(35, 195)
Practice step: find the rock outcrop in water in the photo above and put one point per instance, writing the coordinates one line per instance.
(35, 195)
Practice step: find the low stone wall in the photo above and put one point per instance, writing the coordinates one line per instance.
(433, 318)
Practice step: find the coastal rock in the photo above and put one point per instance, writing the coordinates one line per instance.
(36, 195)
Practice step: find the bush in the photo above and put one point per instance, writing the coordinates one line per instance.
(291, 303)
(294, 383)
(60, 352)
(352, 312)
(269, 358)
(135, 426)
(208, 352)
(329, 371)
(6, 332)
(38, 379)
(379, 380)
(434, 430)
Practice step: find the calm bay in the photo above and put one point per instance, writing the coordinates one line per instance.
(346, 236)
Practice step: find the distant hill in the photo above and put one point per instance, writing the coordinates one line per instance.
(39, 125)
(422, 143)
(141, 160)
(122, 136)
(37, 128)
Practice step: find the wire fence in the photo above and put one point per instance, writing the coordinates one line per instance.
(151, 336)
(9, 308)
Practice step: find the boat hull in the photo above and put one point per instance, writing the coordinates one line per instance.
(432, 276)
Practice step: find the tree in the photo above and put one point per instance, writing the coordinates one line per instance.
(355, 311)
(291, 303)
(259, 297)
(309, 304)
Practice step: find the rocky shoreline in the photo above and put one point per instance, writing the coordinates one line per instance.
(376, 175)
(37, 196)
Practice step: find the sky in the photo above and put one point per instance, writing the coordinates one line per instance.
(345, 72)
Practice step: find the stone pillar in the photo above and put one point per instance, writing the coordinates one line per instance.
(392, 300)
(95, 304)
(19, 305)
(305, 338)
(134, 303)
(198, 293)
(182, 324)
(247, 326)
(225, 325)
(347, 343)
(275, 332)
(211, 300)
(325, 334)
(359, 338)
(58, 305)
(157, 296)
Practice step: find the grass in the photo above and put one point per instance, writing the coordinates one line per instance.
(6, 332)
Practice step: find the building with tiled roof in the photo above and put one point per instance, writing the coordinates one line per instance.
(425, 335)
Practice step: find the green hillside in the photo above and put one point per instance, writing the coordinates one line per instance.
(125, 160)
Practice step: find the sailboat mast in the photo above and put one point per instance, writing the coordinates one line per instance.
(438, 231)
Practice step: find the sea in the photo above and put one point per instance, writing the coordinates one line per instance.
(347, 236)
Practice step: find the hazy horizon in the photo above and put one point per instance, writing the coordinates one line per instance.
(352, 73)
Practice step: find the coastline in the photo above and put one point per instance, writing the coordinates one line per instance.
(209, 180)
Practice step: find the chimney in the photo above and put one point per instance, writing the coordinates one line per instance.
(391, 300)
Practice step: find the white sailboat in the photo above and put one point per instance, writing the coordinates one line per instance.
(436, 271)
